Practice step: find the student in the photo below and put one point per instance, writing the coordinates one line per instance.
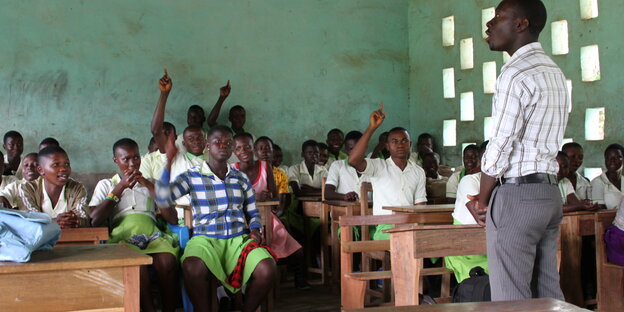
(436, 183)
(54, 192)
(153, 163)
(396, 181)
(380, 150)
(14, 147)
(126, 200)
(614, 238)
(278, 158)
(47, 142)
(582, 186)
(335, 141)
(9, 194)
(323, 155)
(224, 217)
(343, 181)
(263, 149)
(470, 161)
(424, 144)
(195, 117)
(468, 185)
(306, 177)
(236, 116)
(568, 196)
(6, 179)
(607, 188)
(194, 140)
(261, 173)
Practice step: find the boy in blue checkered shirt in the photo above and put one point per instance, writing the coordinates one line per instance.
(224, 217)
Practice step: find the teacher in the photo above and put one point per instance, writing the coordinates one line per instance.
(529, 114)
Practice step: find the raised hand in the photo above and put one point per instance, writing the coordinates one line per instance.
(377, 117)
(165, 84)
(225, 90)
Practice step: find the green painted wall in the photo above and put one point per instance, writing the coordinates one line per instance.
(428, 108)
(86, 72)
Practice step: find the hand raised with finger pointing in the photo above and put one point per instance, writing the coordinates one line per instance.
(377, 117)
(165, 84)
(225, 90)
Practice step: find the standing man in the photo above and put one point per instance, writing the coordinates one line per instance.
(530, 113)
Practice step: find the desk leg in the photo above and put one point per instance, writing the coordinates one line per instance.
(335, 250)
(131, 288)
(405, 269)
(570, 274)
(324, 245)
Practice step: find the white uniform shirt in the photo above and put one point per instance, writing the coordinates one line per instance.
(343, 177)
(46, 204)
(393, 186)
(605, 193)
(583, 187)
(136, 200)
(11, 192)
(299, 173)
(469, 185)
(565, 189)
(6, 180)
(453, 183)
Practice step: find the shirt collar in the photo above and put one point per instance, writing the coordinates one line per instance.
(204, 169)
(523, 50)
(191, 156)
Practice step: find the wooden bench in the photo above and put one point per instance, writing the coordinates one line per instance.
(82, 236)
(528, 305)
(354, 284)
(610, 293)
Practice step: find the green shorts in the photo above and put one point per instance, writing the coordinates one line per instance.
(136, 224)
(221, 255)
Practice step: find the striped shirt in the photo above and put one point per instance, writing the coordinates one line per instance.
(529, 116)
(221, 208)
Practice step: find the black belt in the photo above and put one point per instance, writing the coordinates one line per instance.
(531, 178)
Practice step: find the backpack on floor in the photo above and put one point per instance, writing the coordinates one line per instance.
(476, 288)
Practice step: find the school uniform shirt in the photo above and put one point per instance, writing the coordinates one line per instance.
(453, 182)
(468, 185)
(415, 159)
(299, 173)
(11, 191)
(343, 177)
(393, 187)
(284, 168)
(341, 156)
(565, 188)
(181, 163)
(605, 193)
(152, 165)
(135, 200)
(221, 208)
(583, 188)
(6, 180)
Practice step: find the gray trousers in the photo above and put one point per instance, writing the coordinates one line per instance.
(522, 230)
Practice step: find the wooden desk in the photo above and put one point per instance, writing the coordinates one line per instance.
(74, 278)
(266, 208)
(574, 226)
(409, 245)
(338, 208)
(528, 305)
(82, 236)
(312, 206)
(430, 214)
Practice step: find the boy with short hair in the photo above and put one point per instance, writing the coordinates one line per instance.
(323, 155)
(582, 186)
(47, 142)
(126, 199)
(13, 144)
(396, 181)
(335, 141)
(9, 195)
(236, 116)
(224, 217)
(424, 144)
(306, 177)
(343, 181)
(470, 165)
(436, 183)
(568, 196)
(54, 192)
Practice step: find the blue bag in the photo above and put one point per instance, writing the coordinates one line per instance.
(22, 232)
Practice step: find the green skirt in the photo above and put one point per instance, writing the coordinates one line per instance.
(221, 255)
(136, 224)
(294, 219)
(461, 265)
